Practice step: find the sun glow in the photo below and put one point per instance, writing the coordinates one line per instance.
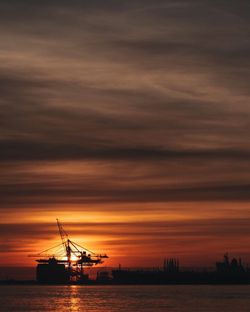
(73, 258)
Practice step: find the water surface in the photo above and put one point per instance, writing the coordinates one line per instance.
(125, 298)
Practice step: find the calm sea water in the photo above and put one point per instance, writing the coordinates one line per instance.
(125, 298)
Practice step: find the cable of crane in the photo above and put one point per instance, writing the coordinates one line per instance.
(49, 249)
(73, 243)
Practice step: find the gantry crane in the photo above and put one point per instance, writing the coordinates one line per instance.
(69, 253)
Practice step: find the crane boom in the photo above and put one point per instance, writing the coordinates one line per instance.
(65, 241)
(63, 233)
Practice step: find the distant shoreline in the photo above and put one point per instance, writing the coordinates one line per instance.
(111, 283)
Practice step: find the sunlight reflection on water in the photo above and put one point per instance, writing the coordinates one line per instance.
(124, 298)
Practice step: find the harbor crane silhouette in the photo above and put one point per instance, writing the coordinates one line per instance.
(65, 261)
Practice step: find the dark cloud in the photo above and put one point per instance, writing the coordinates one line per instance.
(224, 226)
(21, 149)
(109, 191)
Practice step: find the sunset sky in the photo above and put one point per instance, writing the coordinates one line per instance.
(129, 121)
